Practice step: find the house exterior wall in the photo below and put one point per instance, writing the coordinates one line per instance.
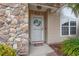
(14, 26)
(54, 29)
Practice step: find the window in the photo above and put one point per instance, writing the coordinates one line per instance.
(67, 22)
(68, 26)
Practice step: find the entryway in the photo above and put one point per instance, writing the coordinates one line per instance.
(38, 32)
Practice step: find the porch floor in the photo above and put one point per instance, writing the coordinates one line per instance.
(44, 50)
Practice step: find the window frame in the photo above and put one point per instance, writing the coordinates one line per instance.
(67, 26)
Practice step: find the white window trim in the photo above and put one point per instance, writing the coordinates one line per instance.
(69, 27)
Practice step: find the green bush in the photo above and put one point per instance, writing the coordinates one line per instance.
(71, 47)
(5, 50)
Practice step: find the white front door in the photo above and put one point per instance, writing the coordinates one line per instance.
(37, 29)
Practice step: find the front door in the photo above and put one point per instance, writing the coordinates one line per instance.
(37, 29)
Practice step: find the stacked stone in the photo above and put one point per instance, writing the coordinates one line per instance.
(14, 26)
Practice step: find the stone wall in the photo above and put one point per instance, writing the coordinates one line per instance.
(14, 26)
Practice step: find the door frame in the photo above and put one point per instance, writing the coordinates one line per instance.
(39, 13)
(43, 36)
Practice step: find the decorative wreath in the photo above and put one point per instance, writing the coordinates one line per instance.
(37, 22)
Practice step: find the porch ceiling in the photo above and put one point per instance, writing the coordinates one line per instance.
(53, 7)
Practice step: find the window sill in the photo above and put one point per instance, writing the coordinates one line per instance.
(68, 35)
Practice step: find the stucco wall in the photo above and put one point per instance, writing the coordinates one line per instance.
(54, 29)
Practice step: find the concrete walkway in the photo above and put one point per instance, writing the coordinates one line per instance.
(40, 50)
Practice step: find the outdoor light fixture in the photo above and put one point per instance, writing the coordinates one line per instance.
(39, 7)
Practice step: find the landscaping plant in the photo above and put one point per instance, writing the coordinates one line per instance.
(74, 7)
(70, 47)
(5, 50)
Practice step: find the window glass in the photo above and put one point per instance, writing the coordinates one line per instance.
(65, 30)
(72, 23)
(65, 22)
(72, 30)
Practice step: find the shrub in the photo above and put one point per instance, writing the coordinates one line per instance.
(71, 47)
(5, 50)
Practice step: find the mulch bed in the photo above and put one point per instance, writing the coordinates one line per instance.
(57, 48)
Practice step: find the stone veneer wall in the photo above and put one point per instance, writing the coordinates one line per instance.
(14, 26)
